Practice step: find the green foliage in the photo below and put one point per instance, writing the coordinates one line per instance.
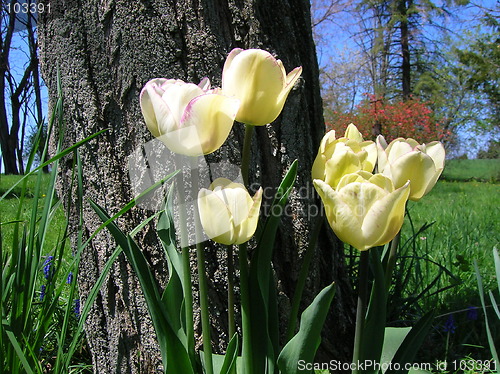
(481, 61)
(494, 304)
(466, 222)
(492, 152)
(465, 217)
(39, 329)
(170, 338)
(303, 346)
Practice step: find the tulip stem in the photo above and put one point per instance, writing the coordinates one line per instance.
(186, 267)
(364, 264)
(245, 311)
(304, 271)
(230, 293)
(205, 317)
(391, 260)
(245, 156)
(202, 275)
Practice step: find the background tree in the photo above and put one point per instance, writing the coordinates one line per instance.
(20, 93)
(106, 52)
(481, 64)
(364, 54)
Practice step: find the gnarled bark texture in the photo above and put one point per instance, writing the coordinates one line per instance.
(106, 51)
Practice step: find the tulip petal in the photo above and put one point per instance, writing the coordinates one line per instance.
(437, 152)
(229, 60)
(371, 155)
(382, 181)
(416, 167)
(360, 197)
(381, 153)
(204, 84)
(343, 161)
(248, 227)
(178, 97)
(385, 218)
(215, 217)
(238, 202)
(156, 112)
(185, 140)
(256, 78)
(397, 149)
(225, 183)
(212, 116)
(342, 219)
(353, 133)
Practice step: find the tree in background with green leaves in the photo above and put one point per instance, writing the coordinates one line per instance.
(383, 35)
(480, 63)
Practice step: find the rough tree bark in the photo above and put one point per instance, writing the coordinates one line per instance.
(106, 51)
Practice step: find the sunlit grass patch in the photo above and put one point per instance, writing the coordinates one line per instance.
(464, 170)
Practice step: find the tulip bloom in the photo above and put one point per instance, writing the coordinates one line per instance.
(405, 159)
(190, 119)
(365, 210)
(228, 214)
(346, 155)
(260, 82)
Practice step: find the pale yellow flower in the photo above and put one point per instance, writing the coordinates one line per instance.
(346, 155)
(190, 119)
(260, 82)
(228, 214)
(364, 210)
(406, 159)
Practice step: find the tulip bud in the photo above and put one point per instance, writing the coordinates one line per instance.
(364, 210)
(406, 159)
(260, 82)
(191, 120)
(346, 155)
(227, 212)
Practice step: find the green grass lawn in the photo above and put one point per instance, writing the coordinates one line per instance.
(465, 170)
(466, 228)
(9, 207)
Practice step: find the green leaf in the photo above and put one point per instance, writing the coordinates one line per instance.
(393, 339)
(173, 295)
(496, 258)
(302, 347)
(170, 344)
(19, 351)
(231, 356)
(265, 335)
(412, 342)
(489, 334)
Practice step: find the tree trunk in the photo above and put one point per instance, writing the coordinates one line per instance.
(8, 136)
(106, 51)
(405, 49)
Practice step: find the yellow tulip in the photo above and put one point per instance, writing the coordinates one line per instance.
(227, 212)
(260, 82)
(190, 119)
(406, 159)
(365, 210)
(346, 155)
